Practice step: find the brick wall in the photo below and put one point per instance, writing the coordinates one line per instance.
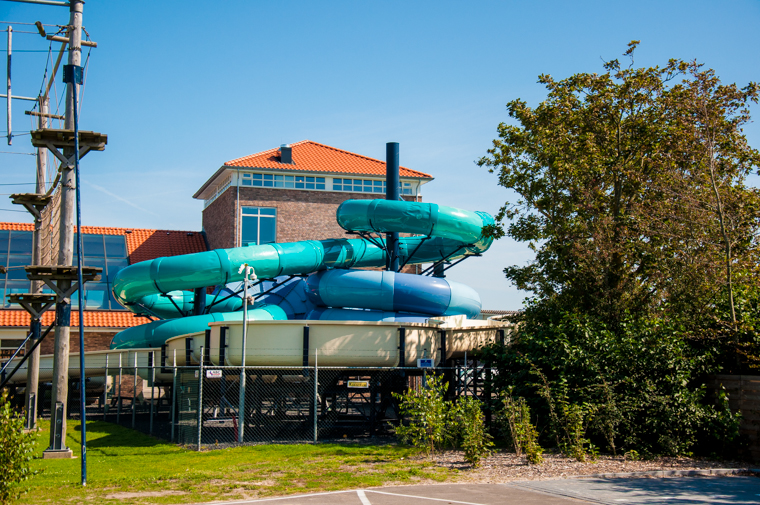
(301, 215)
(93, 341)
(219, 221)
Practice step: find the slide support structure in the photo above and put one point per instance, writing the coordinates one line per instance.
(392, 193)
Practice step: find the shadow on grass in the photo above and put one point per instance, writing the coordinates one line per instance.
(102, 434)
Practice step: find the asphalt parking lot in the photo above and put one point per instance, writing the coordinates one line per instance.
(737, 490)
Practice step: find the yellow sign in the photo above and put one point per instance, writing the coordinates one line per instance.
(358, 384)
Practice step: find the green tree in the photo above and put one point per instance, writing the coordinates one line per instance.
(628, 182)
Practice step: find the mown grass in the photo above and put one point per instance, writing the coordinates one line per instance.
(124, 466)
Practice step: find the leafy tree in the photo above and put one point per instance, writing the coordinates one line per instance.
(629, 183)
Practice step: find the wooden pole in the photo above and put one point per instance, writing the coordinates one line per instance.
(33, 368)
(66, 232)
(9, 98)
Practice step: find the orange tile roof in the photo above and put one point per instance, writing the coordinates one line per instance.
(142, 244)
(92, 318)
(315, 157)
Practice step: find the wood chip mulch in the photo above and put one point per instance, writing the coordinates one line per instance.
(506, 466)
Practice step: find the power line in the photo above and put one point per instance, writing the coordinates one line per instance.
(29, 24)
(11, 152)
(18, 184)
(13, 210)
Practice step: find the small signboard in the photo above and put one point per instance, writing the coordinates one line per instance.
(196, 374)
(213, 374)
(358, 384)
(425, 363)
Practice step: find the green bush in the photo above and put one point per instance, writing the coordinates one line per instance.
(514, 416)
(427, 413)
(468, 423)
(16, 449)
(638, 386)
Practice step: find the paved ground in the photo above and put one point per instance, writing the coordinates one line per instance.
(609, 491)
(651, 491)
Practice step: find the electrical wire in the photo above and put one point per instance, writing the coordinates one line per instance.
(28, 24)
(12, 152)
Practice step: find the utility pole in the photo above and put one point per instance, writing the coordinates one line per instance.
(66, 232)
(33, 368)
(8, 96)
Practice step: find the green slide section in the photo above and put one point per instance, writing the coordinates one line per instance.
(445, 233)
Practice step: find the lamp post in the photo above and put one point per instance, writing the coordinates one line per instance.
(249, 274)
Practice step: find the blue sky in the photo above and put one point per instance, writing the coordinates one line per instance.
(182, 87)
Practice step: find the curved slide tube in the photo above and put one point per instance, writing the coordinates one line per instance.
(156, 333)
(449, 234)
(392, 292)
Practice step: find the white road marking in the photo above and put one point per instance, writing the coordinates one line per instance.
(363, 497)
(291, 497)
(422, 497)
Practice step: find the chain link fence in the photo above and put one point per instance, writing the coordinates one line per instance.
(212, 406)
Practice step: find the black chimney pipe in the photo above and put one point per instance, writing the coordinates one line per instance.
(392, 193)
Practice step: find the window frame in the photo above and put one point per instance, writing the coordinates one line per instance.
(259, 216)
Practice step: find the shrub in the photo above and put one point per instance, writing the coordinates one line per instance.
(16, 449)
(637, 385)
(471, 434)
(427, 413)
(514, 417)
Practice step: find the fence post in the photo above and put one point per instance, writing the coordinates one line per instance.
(201, 371)
(134, 393)
(174, 394)
(316, 402)
(152, 357)
(118, 407)
(241, 387)
(487, 393)
(105, 390)
(402, 347)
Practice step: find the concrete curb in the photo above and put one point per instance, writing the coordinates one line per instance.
(670, 473)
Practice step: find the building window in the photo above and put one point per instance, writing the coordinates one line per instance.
(259, 226)
(108, 252)
(283, 181)
(367, 186)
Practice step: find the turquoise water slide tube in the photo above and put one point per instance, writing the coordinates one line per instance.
(446, 233)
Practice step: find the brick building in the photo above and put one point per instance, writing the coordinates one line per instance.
(108, 248)
(291, 193)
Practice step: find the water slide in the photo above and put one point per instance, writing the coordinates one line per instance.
(334, 287)
(353, 315)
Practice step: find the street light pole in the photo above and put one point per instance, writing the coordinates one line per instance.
(249, 274)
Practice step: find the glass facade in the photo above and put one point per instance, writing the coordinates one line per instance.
(108, 252)
(259, 226)
(283, 181)
(368, 186)
(320, 183)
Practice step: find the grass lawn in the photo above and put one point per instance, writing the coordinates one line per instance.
(125, 466)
